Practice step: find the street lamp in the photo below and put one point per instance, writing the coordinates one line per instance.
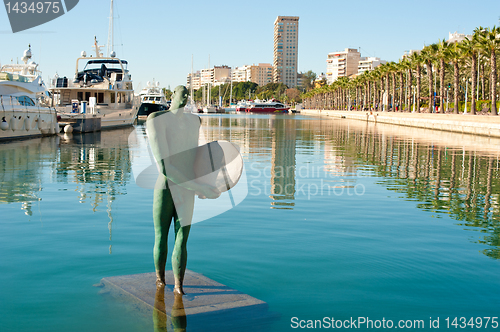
(447, 89)
(466, 89)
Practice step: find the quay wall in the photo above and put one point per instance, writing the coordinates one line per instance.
(485, 125)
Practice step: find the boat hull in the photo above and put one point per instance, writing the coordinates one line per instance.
(266, 110)
(147, 108)
(27, 122)
(109, 118)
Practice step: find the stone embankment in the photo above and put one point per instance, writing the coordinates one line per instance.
(485, 125)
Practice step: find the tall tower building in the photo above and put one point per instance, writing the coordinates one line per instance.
(286, 50)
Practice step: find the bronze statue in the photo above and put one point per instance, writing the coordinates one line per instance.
(175, 133)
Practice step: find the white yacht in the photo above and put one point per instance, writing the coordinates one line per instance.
(152, 100)
(102, 90)
(24, 102)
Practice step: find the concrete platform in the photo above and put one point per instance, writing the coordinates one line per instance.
(207, 305)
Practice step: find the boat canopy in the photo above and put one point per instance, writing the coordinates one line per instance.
(106, 61)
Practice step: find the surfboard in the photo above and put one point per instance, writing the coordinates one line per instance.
(218, 164)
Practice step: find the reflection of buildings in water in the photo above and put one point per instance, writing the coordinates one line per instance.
(251, 134)
(99, 164)
(283, 164)
(21, 167)
(267, 138)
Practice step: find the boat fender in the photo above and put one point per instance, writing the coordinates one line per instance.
(52, 129)
(35, 122)
(4, 125)
(27, 123)
(41, 124)
(13, 123)
(20, 123)
(68, 129)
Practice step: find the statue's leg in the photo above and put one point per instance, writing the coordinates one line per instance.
(179, 255)
(163, 212)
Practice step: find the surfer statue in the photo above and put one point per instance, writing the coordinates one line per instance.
(174, 136)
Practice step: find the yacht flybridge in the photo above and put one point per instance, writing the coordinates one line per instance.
(101, 94)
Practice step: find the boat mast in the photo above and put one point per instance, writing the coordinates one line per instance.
(209, 80)
(191, 80)
(110, 31)
(231, 90)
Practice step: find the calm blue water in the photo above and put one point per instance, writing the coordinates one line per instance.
(340, 221)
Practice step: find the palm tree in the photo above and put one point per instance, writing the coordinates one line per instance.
(417, 60)
(469, 48)
(489, 40)
(400, 68)
(454, 54)
(429, 55)
(393, 69)
(408, 65)
(442, 50)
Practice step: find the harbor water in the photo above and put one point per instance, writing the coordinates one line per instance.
(343, 220)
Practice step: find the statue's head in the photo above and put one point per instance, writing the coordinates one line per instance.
(180, 96)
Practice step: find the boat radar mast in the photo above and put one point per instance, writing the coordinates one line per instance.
(111, 41)
(97, 48)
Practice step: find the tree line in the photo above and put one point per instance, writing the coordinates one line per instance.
(247, 91)
(439, 78)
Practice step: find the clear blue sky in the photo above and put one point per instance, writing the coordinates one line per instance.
(158, 37)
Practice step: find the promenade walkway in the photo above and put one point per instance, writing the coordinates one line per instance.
(485, 125)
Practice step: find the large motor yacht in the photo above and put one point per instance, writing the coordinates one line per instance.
(101, 90)
(152, 100)
(24, 102)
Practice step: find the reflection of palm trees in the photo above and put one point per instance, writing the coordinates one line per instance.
(428, 174)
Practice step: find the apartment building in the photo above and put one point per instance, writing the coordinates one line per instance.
(457, 37)
(194, 79)
(369, 63)
(241, 74)
(286, 48)
(215, 76)
(340, 64)
(261, 74)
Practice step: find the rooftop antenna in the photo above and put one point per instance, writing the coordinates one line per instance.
(110, 31)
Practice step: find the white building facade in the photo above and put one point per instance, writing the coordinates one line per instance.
(369, 63)
(342, 64)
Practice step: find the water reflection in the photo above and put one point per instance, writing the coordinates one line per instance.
(444, 172)
(100, 166)
(21, 170)
(262, 140)
(448, 175)
(98, 163)
(178, 319)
